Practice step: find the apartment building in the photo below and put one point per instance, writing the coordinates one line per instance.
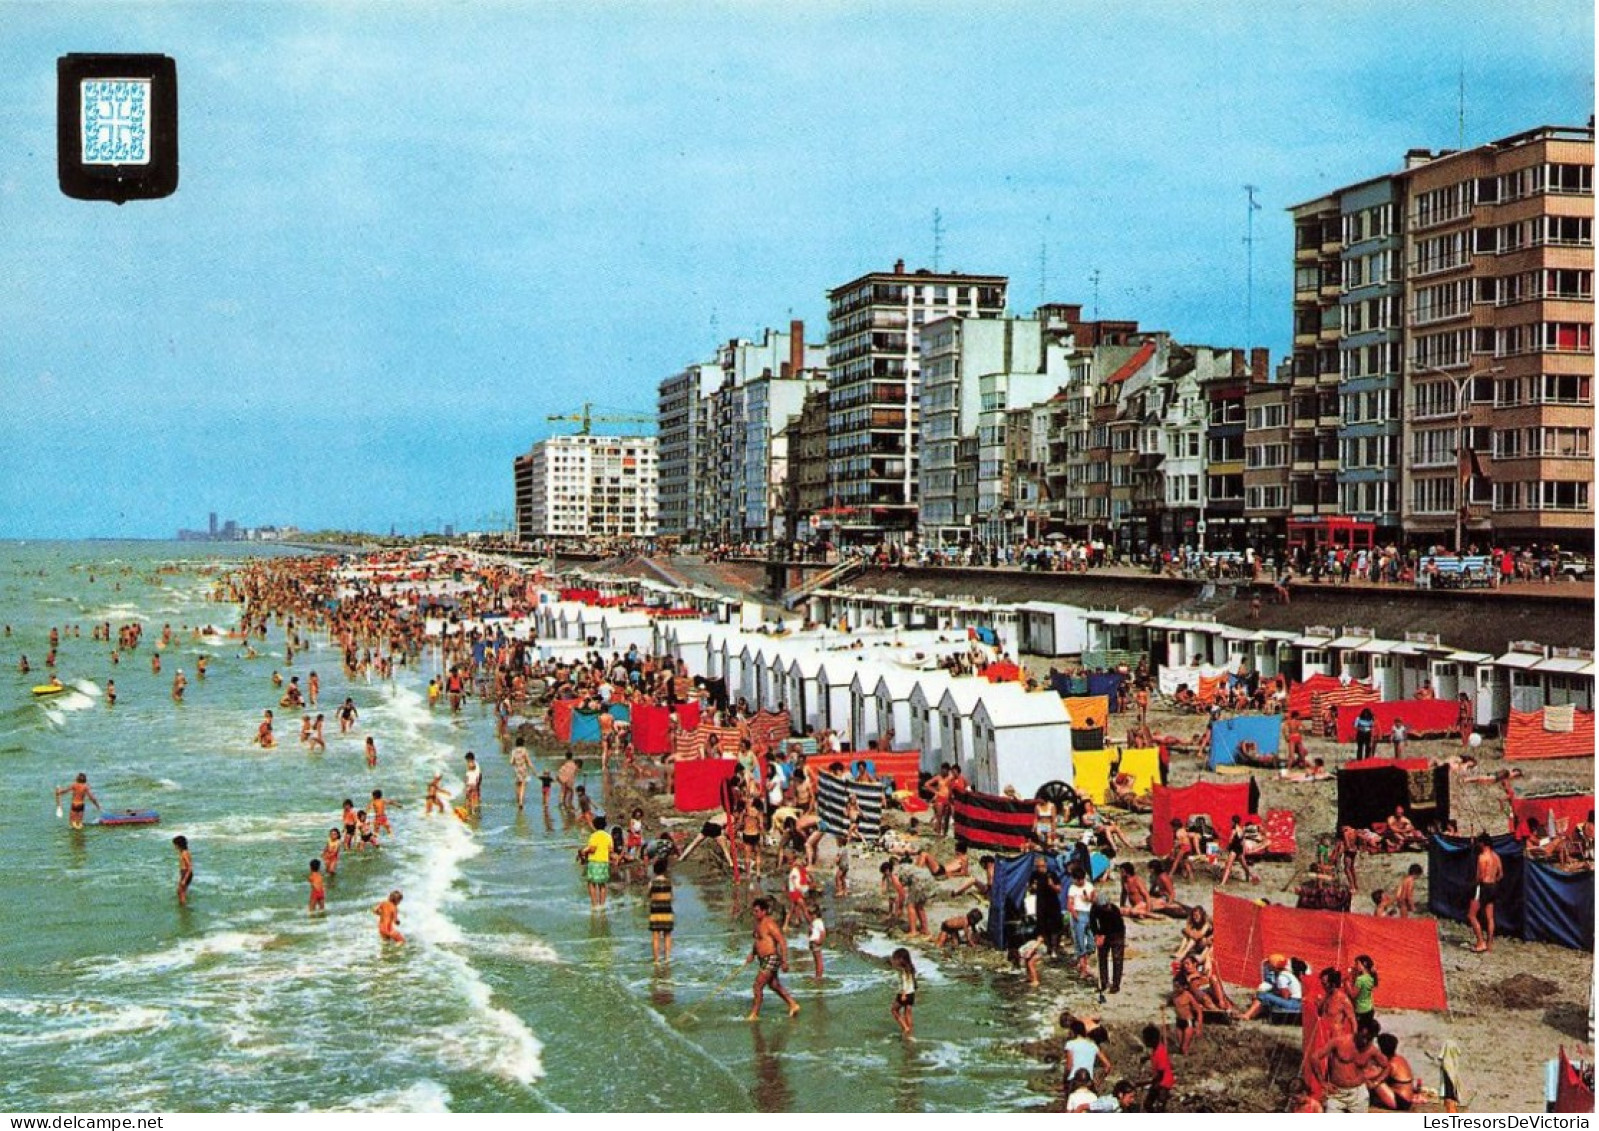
(682, 427)
(719, 425)
(1441, 379)
(587, 487)
(1499, 289)
(875, 324)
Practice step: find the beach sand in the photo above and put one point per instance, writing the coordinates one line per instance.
(1532, 997)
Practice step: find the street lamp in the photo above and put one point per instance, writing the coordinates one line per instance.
(1460, 383)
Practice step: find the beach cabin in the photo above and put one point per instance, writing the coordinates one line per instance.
(621, 629)
(1383, 667)
(925, 729)
(569, 619)
(1412, 663)
(774, 687)
(717, 644)
(863, 705)
(1047, 628)
(893, 703)
(1274, 650)
(833, 680)
(1020, 740)
(1239, 644)
(806, 703)
(1568, 677)
(955, 708)
(1516, 686)
(690, 643)
(1313, 654)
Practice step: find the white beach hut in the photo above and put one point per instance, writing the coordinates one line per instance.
(893, 703)
(1022, 740)
(955, 708)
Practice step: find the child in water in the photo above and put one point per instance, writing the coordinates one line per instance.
(330, 853)
(319, 894)
(905, 1000)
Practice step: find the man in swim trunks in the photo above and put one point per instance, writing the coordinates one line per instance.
(81, 793)
(1480, 911)
(388, 913)
(474, 784)
(1348, 1064)
(770, 949)
(522, 766)
(185, 869)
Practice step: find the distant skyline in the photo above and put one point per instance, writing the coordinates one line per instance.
(407, 233)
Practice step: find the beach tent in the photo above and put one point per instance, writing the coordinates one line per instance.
(1066, 685)
(832, 793)
(1091, 773)
(1106, 685)
(1370, 789)
(697, 784)
(585, 725)
(1221, 802)
(651, 729)
(1007, 905)
(561, 719)
(1553, 732)
(984, 820)
(1573, 1094)
(1265, 731)
(1551, 812)
(1088, 712)
(1142, 765)
(1537, 902)
(1412, 964)
(1424, 718)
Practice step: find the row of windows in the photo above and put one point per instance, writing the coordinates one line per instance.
(1268, 416)
(1371, 361)
(1559, 443)
(1544, 337)
(1370, 270)
(1370, 451)
(1441, 253)
(1554, 178)
(1373, 223)
(1559, 231)
(1553, 282)
(1272, 497)
(1441, 205)
(1443, 300)
(1542, 495)
(1377, 497)
(1542, 388)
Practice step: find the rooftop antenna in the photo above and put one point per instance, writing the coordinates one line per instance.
(938, 237)
(1043, 270)
(1094, 279)
(1462, 116)
(1249, 283)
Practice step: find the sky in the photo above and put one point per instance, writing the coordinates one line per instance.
(407, 233)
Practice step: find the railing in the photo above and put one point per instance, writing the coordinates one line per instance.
(833, 575)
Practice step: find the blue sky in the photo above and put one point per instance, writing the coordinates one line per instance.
(406, 233)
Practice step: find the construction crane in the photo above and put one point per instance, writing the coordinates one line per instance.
(585, 419)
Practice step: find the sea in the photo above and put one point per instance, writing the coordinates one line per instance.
(512, 995)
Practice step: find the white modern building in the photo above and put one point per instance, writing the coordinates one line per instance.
(587, 487)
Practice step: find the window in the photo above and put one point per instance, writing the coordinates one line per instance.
(1576, 179)
(1432, 496)
(1441, 253)
(1442, 205)
(1562, 495)
(1267, 416)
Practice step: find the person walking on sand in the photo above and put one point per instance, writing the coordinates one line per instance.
(905, 1000)
(388, 913)
(770, 948)
(185, 869)
(1480, 911)
(81, 794)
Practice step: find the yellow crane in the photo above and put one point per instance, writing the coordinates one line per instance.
(586, 419)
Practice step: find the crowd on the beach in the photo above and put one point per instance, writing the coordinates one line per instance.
(768, 825)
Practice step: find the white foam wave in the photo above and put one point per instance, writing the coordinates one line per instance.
(70, 1022)
(244, 829)
(421, 1097)
(180, 955)
(882, 946)
(519, 948)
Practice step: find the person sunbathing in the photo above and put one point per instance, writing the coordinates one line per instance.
(1399, 832)
(1198, 933)
(1103, 826)
(1123, 793)
(1134, 895)
(1316, 772)
(1162, 892)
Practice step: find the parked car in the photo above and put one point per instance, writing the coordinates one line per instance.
(1575, 566)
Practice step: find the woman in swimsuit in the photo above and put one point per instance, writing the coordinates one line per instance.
(1398, 1089)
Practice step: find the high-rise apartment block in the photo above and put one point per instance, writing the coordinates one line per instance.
(587, 487)
(874, 332)
(724, 446)
(1443, 355)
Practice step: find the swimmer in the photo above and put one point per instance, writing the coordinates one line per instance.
(330, 854)
(380, 814)
(81, 793)
(110, 693)
(388, 913)
(185, 869)
(179, 684)
(319, 892)
(263, 733)
(371, 752)
(436, 795)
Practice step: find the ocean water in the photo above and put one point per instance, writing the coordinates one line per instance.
(512, 995)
